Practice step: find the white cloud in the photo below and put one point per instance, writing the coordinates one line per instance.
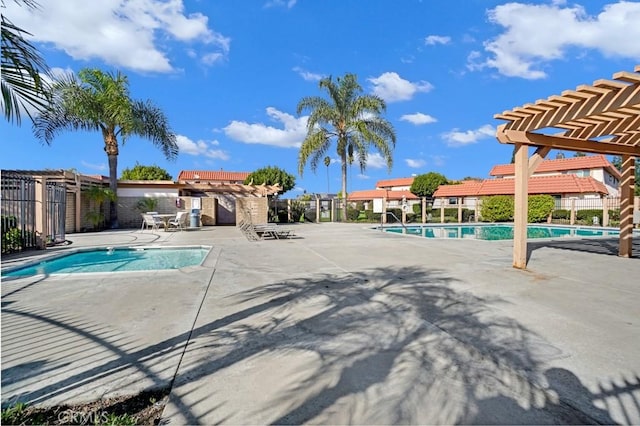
(307, 75)
(127, 34)
(281, 3)
(438, 160)
(415, 163)
(392, 88)
(363, 176)
(294, 132)
(457, 138)
(99, 167)
(418, 118)
(435, 39)
(523, 48)
(200, 147)
(376, 161)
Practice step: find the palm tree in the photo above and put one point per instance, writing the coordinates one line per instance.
(327, 162)
(22, 85)
(352, 119)
(98, 101)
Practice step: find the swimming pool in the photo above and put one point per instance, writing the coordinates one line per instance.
(119, 259)
(499, 232)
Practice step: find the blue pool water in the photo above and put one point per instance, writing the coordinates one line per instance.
(499, 232)
(115, 260)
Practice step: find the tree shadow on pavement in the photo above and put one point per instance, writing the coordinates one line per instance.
(379, 346)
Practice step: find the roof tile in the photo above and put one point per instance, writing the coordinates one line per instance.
(558, 184)
(217, 176)
(562, 164)
(394, 182)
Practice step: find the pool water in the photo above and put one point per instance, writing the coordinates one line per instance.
(115, 260)
(499, 232)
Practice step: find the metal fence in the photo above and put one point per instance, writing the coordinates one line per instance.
(18, 201)
(56, 212)
(18, 217)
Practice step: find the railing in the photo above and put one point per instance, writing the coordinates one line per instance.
(394, 216)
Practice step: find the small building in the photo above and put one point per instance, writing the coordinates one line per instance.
(594, 166)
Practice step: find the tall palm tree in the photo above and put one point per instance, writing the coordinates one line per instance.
(350, 118)
(22, 86)
(327, 162)
(98, 101)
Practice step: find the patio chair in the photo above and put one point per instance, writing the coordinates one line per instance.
(149, 221)
(179, 222)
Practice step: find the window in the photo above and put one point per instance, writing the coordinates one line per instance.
(453, 201)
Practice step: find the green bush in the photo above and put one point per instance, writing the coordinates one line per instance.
(561, 214)
(539, 208)
(352, 214)
(614, 215)
(587, 215)
(417, 209)
(498, 208)
(11, 241)
(453, 212)
(372, 217)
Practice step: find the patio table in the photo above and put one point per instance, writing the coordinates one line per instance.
(165, 218)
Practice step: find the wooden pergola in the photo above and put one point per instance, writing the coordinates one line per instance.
(600, 118)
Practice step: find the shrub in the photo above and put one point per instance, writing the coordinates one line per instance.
(352, 214)
(498, 208)
(561, 214)
(453, 212)
(539, 208)
(417, 209)
(373, 217)
(587, 215)
(614, 215)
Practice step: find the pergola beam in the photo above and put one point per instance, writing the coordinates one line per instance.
(565, 143)
(602, 118)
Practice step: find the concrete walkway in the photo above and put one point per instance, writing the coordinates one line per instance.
(342, 325)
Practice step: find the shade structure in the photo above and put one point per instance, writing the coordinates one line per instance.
(601, 118)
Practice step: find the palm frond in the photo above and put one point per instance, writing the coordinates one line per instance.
(22, 86)
(314, 142)
(151, 123)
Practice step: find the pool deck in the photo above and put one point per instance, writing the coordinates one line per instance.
(341, 325)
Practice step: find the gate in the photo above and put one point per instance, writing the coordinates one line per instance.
(18, 201)
(56, 212)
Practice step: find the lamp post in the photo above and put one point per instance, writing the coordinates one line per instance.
(275, 202)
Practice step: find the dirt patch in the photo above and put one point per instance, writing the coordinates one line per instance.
(142, 409)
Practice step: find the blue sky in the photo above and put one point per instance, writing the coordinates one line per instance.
(229, 75)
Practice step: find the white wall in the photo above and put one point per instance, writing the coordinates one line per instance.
(147, 192)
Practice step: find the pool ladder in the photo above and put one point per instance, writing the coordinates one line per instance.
(395, 217)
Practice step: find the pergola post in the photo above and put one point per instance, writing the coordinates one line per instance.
(459, 209)
(424, 209)
(520, 204)
(601, 118)
(626, 206)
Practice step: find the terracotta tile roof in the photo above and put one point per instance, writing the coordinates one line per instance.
(463, 189)
(558, 184)
(394, 182)
(563, 164)
(218, 176)
(370, 194)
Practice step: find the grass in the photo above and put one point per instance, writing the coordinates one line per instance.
(144, 408)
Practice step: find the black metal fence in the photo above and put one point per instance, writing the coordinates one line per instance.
(18, 213)
(56, 212)
(18, 200)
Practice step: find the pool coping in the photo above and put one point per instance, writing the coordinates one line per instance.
(31, 262)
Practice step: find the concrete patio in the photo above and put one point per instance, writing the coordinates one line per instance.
(342, 325)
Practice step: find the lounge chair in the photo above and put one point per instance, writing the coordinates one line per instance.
(179, 222)
(273, 230)
(150, 221)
